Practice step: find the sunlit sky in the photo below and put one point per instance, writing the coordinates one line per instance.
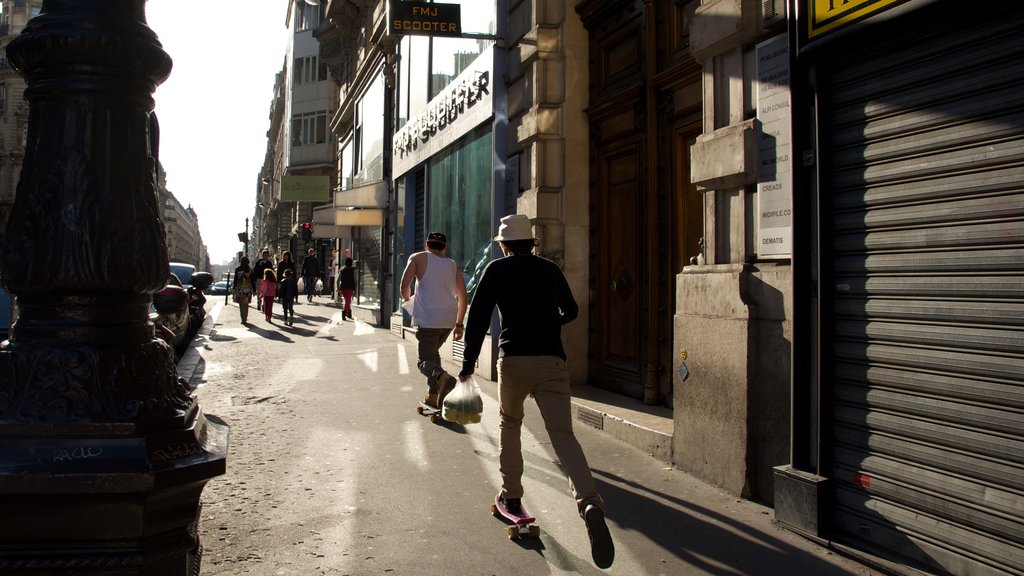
(214, 110)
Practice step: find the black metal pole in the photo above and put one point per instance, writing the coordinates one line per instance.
(104, 450)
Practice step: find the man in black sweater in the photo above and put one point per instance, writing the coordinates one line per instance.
(533, 300)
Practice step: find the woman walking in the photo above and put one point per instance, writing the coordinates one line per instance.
(243, 284)
(347, 285)
(286, 263)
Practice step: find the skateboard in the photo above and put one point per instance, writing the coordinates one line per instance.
(522, 524)
(428, 410)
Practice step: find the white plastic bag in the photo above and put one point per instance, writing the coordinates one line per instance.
(319, 286)
(464, 404)
(407, 306)
(301, 285)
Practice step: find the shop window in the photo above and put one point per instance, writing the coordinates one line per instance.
(367, 248)
(459, 203)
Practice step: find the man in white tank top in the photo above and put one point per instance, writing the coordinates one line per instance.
(439, 308)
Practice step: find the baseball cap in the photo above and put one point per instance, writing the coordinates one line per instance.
(437, 240)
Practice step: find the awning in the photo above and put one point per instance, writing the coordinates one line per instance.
(359, 217)
(373, 195)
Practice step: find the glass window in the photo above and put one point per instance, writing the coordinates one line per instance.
(370, 118)
(450, 56)
(3, 96)
(309, 128)
(402, 105)
(307, 17)
(309, 69)
(346, 165)
(419, 71)
(477, 16)
(399, 237)
(461, 179)
(366, 247)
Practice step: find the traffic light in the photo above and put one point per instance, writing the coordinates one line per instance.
(307, 232)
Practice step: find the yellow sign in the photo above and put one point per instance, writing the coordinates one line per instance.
(827, 15)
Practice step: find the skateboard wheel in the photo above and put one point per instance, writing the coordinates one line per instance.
(534, 531)
(513, 532)
(419, 409)
(494, 510)
(433, 418)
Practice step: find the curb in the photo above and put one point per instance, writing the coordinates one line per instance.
(190, 360)
(657, 444)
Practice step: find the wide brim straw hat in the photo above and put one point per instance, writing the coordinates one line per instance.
(515, 227)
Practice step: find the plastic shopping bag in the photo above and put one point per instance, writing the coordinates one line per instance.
(464, 404)
(301, 285)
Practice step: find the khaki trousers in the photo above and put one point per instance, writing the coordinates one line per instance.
(547, 378)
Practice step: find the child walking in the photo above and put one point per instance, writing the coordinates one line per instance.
(268, 289)
(288, 290)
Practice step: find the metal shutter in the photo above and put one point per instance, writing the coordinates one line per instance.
(923, 194)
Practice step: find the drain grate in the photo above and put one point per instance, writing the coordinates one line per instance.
(590, 416)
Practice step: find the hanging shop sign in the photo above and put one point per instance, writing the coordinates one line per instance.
(424, 19)
(824, 16)
(305, 189)
(462, 106)
(774, 174)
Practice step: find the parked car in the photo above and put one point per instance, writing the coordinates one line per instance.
(219, 288)
(175, 324)
(184, 273)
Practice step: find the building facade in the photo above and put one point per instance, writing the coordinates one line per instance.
(14, 14)
(698, 170)
(181, 225)
(298, 174)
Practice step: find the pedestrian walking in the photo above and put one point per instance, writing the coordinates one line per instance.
(438, 308)
(286, 263)
(268, 289)
(243, 288)
(262, 263)
(533, 300)
(310, 273)
(288, 291)
(347, 287)
(332, 272)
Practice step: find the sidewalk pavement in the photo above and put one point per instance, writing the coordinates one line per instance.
(723, 524)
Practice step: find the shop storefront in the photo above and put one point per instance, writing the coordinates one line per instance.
(443, 150)
(908, 235)
(359, 211)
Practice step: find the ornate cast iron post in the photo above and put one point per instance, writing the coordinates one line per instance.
(104, 452)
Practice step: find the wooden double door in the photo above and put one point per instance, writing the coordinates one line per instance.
(646, 218)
